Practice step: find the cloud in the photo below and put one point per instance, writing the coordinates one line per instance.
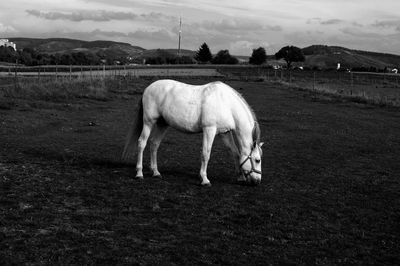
(157, 35)
(234, 25)
(334, 21)
(239, 45)
(387, 24)
(356, 24)
(98, 15)
(150, 39)
(313, 20)
(7, 29)
(331, 22)
(274, 28)
(361, 34)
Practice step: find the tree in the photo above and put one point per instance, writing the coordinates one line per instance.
(8, 54)
(203, 54)
(290, 54)
(66, 59)
(224, 57)
(258, 57)
(25, 58)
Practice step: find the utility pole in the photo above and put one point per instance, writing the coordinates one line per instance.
(179, 38)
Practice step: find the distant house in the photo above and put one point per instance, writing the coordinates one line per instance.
(6, 43)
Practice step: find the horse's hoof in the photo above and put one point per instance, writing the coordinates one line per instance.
(207, 184)
(139, 177)
(157, 176)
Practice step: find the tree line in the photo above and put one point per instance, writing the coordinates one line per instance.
(31, 57)
(259, 56)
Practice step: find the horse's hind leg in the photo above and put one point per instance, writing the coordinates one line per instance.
(208, 139)
(142, 141)
(157, 134)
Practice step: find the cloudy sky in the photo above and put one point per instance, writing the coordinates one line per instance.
(237, 25)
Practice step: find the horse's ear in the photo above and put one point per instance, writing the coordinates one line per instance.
(261, 144)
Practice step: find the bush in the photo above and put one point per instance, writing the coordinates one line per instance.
(223, 57)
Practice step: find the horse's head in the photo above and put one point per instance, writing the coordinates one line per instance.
(250, 165)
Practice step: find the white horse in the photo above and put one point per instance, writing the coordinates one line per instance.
(213, 109)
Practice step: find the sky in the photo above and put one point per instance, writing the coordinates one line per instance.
(238, 26)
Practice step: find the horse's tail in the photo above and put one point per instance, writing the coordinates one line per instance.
(134, 133)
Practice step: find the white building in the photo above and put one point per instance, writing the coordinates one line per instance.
(5, 42)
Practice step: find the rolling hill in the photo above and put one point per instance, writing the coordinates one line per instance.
(63, 45)
(158, 52)
(324, 57)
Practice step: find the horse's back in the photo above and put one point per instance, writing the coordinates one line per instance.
(189, 107)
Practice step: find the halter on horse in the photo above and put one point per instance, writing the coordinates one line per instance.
(213, 109)
(253, 169)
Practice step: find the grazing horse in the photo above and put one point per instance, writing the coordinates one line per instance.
(214, 109)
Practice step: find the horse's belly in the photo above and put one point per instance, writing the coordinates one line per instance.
(184, 117)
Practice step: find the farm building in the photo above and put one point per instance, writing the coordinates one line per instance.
(5, 42)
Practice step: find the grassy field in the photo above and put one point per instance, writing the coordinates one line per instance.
(330, 192)
(374, 88)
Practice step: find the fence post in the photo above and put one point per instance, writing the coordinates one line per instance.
(352, 81)
(70, 73)
(56, 73)
(313, 84)
(384, 77)
(15, 74)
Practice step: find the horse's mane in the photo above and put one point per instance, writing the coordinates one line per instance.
(256, 128)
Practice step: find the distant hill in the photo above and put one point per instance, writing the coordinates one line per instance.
(324, 56)
(158, 52)
(63, 45)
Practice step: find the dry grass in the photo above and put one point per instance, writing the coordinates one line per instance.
(360, 89)
(51, 90)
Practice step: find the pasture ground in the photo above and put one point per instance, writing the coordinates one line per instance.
(330, 192)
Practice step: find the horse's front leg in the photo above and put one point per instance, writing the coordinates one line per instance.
(208, 139)
(229, 141)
